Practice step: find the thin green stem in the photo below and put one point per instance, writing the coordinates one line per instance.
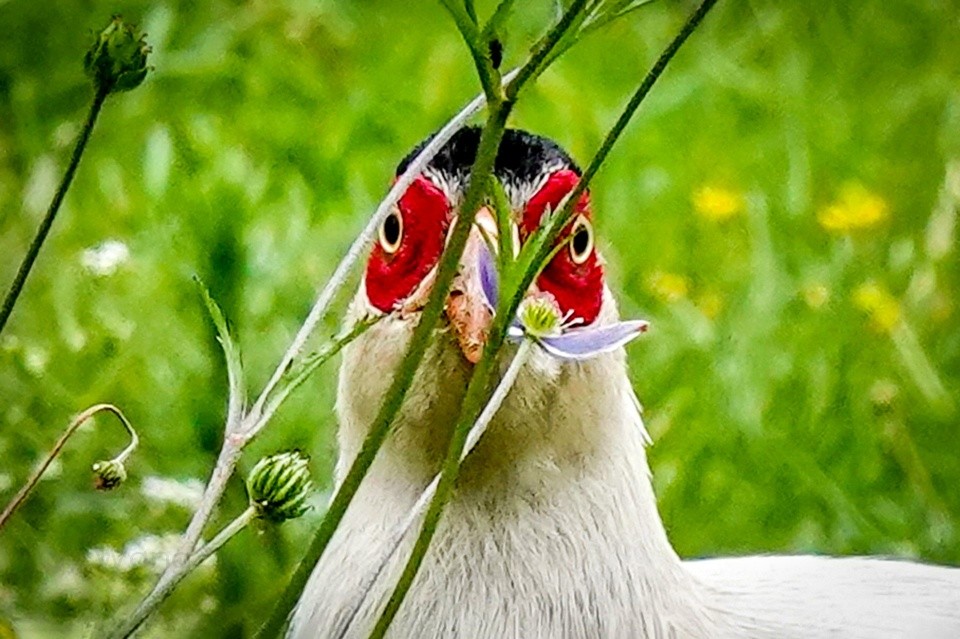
(479, 382)
(565, 214)
(473, 402)
(402, 380)
(78, 421)
(34, 249)
(505, 227)
(479, 49)
(471, 10)
(416, 512)
(492, 28)
(300, 375)
(445, 482)
(535, 65)
(157, 597)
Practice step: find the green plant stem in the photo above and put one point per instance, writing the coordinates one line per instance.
(483, 165)
(565, 214)
(535, 65)
(311, 363)
(492, 28)
(473, 402)
(476, 432)
(78, 421)
(505, 225)
(471, 10)
(479, 382)
(148, 605)
(34, 249)
(479, 49)
(233, 444)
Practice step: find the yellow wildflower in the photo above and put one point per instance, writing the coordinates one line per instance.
(815, 295)
(717, 204)
(710, 304)
(881, 307)
(856, 208)
(668, 287)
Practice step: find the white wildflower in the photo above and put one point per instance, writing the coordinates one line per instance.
(151, 552)
(105, 258)
(186, 493)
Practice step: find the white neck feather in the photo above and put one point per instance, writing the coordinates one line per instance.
(553, 530)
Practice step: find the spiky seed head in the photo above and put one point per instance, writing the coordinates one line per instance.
(278, 486)
(109, 474)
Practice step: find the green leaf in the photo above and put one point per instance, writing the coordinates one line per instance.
(231, 353)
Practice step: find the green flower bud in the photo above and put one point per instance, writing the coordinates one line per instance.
(117, 60)
(278, 486)
(109, 474)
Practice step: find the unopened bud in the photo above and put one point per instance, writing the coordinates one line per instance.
(108, 474)
(117, 60)
(278, 486)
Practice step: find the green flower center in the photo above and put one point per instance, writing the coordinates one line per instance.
(540, 316)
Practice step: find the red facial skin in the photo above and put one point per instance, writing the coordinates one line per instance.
(391, 278)
(578, 288)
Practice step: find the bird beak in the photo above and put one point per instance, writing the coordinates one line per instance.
(467, 307)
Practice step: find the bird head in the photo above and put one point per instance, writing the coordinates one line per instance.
(536, 175)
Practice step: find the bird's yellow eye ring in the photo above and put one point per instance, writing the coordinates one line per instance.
(581, 240)
(391, 233)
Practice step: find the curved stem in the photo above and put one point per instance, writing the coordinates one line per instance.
(34, 249)
(420, 506)
(78, 421)
(342, 272)
(256, 418)
(148, 605)
(403, 378)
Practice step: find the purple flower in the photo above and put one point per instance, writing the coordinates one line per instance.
(539, 318)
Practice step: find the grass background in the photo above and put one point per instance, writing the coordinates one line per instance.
(783, 210)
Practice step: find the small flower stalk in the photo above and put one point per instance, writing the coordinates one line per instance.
(109, 474)
(117, 59)
(278, 486)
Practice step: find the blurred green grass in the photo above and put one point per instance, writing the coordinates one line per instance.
(801, 376)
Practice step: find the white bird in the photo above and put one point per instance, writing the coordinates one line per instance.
(553, 529)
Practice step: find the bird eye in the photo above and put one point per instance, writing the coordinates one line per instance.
(581, 240)
(391, 232)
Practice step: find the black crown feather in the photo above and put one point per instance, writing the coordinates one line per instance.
(522, 156)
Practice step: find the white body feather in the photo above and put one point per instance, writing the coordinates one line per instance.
(554, 532)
